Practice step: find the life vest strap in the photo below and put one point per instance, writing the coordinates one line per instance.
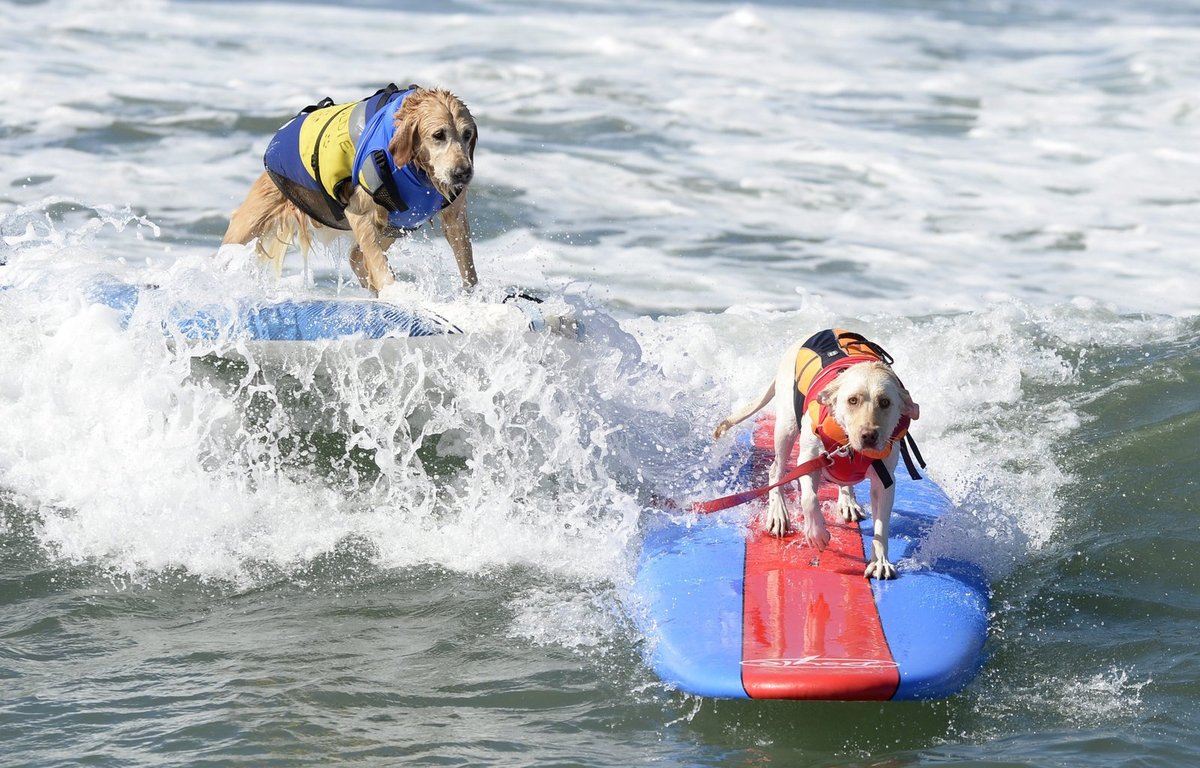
(376, 178)
(881, 471)
(315, 161)
(907, 443)
(325, 102)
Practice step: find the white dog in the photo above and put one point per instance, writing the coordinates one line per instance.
(838, 394)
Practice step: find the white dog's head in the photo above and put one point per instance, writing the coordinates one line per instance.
(867, 400)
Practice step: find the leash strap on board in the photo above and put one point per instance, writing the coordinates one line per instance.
(733, 500)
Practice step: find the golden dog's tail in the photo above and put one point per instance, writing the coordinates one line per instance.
(272, 219)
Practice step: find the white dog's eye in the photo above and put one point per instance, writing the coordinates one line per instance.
(852, 400)
(885, 402)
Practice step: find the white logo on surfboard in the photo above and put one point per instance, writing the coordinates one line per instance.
(820, 662)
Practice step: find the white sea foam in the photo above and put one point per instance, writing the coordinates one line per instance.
(140, 467)
(503, 453)
(1106, 698)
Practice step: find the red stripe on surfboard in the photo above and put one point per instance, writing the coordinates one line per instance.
(810, 628)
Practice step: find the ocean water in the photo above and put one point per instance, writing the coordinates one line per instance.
(427, 560)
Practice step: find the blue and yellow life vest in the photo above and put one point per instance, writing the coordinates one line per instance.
(321, 153)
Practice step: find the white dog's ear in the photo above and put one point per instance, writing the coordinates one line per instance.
(907, 406)
(829, 392)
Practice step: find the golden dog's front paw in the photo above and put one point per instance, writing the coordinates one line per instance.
(880, 569)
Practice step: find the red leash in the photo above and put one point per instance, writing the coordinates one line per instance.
(725, 502)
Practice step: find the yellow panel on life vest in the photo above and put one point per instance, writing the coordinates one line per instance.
(335, 155)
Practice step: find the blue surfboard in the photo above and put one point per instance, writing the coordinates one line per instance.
(309, 319)
(731, 611)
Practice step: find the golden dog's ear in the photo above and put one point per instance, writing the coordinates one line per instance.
(403, 146)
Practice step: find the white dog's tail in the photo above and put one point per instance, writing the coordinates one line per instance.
(737, 417)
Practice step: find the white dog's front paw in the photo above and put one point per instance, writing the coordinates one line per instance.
(815, 533)
(849, 508)
(777, 518)
(880, 569)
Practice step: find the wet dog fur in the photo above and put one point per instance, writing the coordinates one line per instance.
(435, 130)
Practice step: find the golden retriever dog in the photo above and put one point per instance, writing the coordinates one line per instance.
(837, 395)
(376, 168)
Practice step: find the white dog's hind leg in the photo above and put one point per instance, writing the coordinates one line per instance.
(847, 506)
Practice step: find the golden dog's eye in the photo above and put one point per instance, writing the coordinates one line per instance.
(467, 134)
(885, 402)
(439, 134)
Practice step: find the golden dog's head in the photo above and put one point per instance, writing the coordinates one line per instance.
(435, 131)
(867, 400)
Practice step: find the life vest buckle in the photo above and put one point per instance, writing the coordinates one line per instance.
(841, 452)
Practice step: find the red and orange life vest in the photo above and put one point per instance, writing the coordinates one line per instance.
(822, 358)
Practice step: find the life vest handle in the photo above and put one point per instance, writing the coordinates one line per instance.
(858, 338)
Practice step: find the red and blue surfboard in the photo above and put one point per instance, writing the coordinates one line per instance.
(731, 611)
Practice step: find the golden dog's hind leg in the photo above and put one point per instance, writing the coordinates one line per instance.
(263, 203)
(269, 217)
(368, 255)
(272, 248)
